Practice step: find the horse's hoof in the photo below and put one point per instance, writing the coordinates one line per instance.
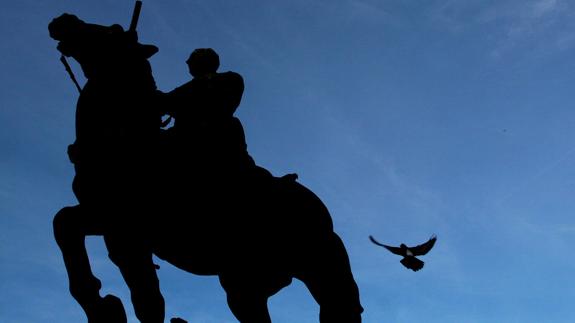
(109, 310)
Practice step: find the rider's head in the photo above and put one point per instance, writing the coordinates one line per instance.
(66, 27)
(203, 61)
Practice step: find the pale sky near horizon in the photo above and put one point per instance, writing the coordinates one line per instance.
(407, 118)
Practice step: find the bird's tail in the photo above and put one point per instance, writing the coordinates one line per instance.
(412, 263)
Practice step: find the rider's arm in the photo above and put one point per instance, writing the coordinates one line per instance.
(232, 88)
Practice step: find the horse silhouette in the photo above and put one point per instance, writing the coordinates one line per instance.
(258, 247)
(255, 241)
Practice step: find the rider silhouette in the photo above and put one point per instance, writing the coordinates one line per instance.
(113, 155)
(209, 142)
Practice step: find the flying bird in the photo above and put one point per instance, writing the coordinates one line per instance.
(409, 253)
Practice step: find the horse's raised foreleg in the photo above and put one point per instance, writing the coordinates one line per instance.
(326, 272)
(71, 226)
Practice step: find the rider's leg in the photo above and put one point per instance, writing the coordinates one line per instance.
(327, 274)
(133, 257)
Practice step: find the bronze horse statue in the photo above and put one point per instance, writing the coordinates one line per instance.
(255, 244)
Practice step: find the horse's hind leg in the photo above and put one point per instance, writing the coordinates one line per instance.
(248, 304)
(326, 272)
(248, 294)
(249, 308)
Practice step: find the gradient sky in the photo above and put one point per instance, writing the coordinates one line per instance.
(407, 118)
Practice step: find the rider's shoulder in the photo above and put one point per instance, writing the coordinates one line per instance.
(231, 79)
(231, 75)
(184, 88)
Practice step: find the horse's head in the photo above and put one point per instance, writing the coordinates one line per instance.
(67, 29)
(101, 50)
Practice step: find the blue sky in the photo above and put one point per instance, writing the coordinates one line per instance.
(406, 117)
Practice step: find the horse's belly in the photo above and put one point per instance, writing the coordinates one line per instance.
(199, 260)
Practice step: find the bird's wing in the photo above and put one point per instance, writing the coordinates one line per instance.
(394, 250)
(424, 248)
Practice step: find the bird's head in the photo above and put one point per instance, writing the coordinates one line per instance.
(403, 246)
